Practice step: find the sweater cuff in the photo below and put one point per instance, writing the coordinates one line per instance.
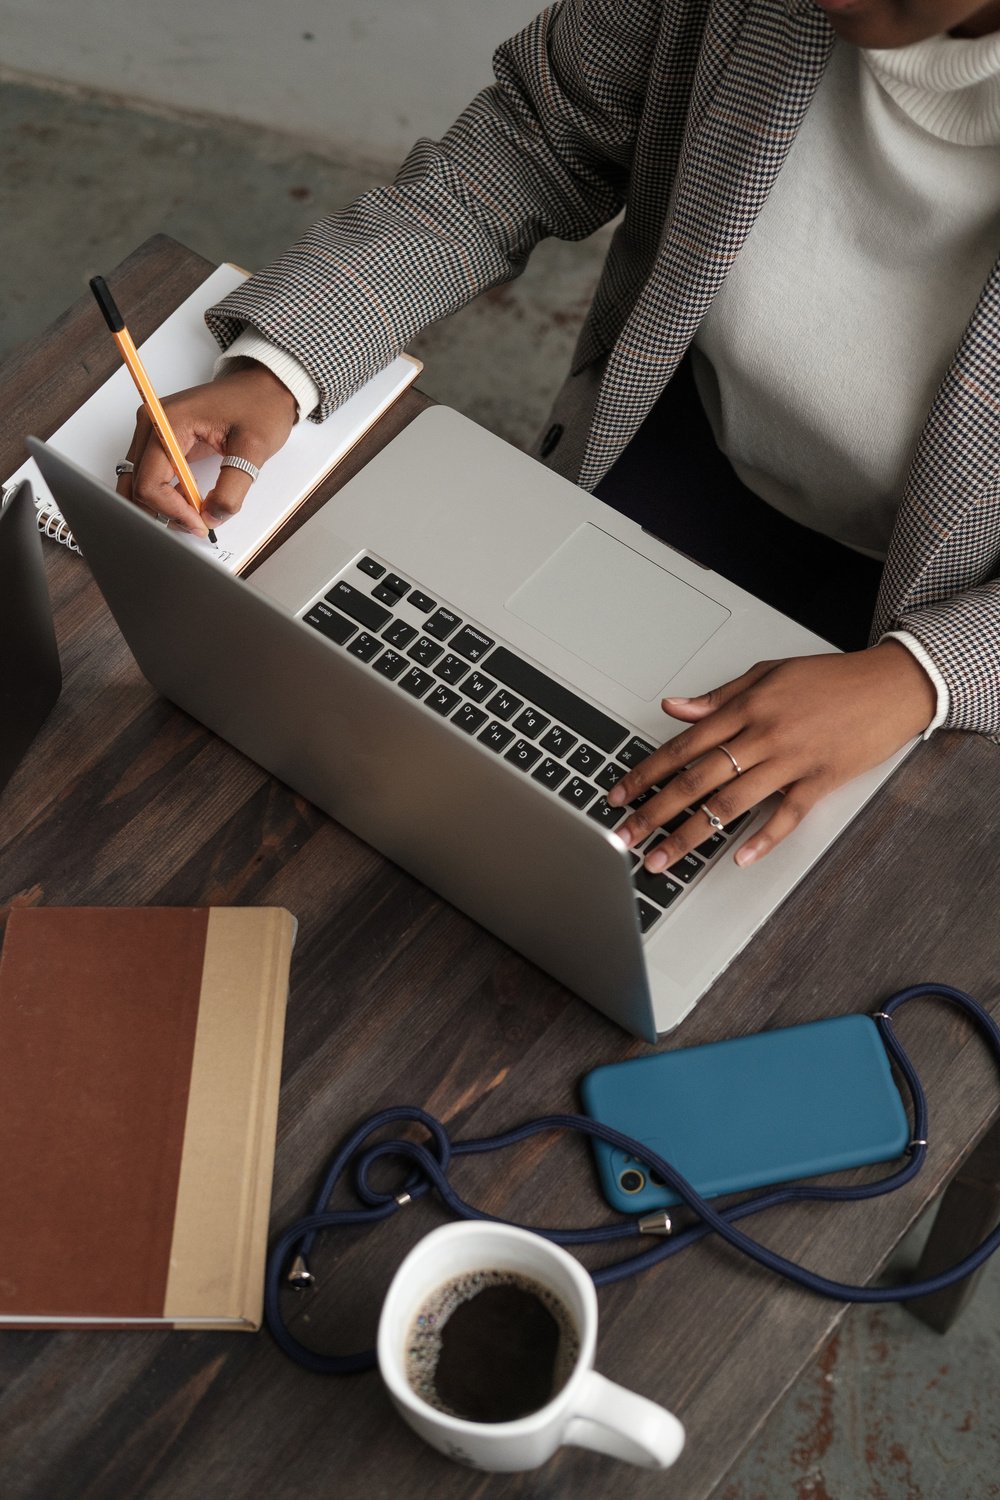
(940, 686)
(250, 345)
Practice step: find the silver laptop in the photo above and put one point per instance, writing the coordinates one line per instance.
(30, 675)
(455, 658)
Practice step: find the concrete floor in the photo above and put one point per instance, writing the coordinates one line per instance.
(890, 1411)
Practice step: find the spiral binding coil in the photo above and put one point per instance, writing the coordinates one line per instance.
(52, 524)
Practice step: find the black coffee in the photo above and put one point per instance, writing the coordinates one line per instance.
(491, 1346)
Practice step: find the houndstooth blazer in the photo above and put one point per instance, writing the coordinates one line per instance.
(682, 112)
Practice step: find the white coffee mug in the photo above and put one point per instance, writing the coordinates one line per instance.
(588, 1411)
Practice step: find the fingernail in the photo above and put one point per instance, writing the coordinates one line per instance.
(746, 855)
(678, 700)
(656, 862)
(625, 837)
(616, 796)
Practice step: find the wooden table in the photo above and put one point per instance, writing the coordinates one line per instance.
(398, 998)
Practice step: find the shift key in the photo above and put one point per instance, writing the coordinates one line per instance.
(360, 607)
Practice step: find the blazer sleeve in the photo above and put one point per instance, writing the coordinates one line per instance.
(961, 635)
(545, 150)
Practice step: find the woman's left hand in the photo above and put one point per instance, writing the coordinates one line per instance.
(801, 726)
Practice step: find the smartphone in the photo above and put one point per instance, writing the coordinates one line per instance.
(748, 1112)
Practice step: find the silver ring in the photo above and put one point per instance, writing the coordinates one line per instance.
(233, 461)
(125, 467)
(717, 824)
(736, 765)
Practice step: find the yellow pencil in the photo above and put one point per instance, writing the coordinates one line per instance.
(150, 400)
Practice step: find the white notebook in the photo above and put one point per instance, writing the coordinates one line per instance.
(182, 353)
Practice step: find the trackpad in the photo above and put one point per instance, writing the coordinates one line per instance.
(628, 617)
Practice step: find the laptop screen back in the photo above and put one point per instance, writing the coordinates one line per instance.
(30, 677)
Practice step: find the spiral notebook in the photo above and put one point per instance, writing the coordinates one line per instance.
(182, 353)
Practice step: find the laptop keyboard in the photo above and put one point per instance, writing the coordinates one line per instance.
(513, 708)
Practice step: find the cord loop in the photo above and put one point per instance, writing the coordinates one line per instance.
(429, 1167)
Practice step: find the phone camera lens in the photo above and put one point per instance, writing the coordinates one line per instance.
(632, 1181)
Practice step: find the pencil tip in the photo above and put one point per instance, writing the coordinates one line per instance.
(213, 538)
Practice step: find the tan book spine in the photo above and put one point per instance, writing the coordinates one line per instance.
(219, 1237)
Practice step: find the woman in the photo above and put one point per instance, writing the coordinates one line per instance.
(811, 208)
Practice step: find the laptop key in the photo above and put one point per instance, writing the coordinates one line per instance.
(398, 633)
(371, 567)
(687, 868)
(452, 668)
(327, 621)
(504, 704)
(425, 651)
(391, 589)
(558, 740)
(710, 848)
(550, 773)
(469, 718)
(658, 888)
(552, 698)
(443, 699)
(578, 792)
(635, 751)
(478, 687)
(441, 624)
(647, 914)
(602, 812)
(359, 606)
(497, 736)
(471, 643)
(531, 722)
(421, 602)
(523, 755)
(612, 772)
(364, 646)
(585, 758)
(390, 664)
(416, 682)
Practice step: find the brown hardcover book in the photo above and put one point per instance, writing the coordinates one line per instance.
(140, 1057)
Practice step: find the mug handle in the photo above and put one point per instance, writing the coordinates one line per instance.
(611, 1419)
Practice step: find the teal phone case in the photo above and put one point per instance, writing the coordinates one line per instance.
(747, 1112)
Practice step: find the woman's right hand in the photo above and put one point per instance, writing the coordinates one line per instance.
(245, 411)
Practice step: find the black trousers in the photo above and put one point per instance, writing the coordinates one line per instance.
(674, 481)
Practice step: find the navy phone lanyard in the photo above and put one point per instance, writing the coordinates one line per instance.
(428, 1170)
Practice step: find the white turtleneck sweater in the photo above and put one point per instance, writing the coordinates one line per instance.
(819, 358)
